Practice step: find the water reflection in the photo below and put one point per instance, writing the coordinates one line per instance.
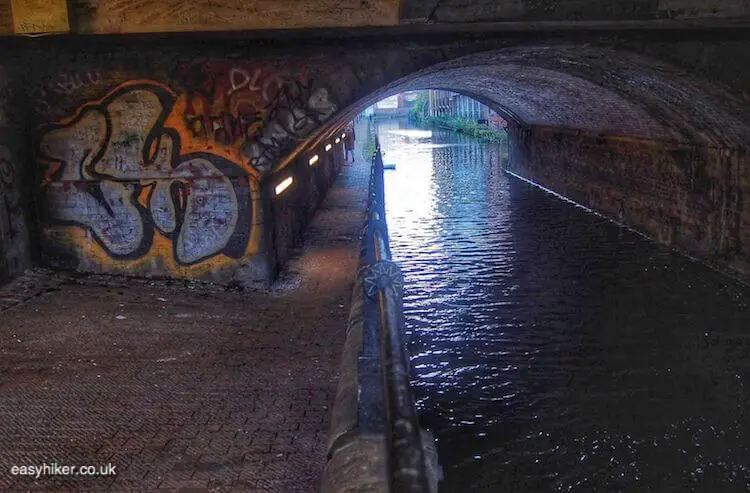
(554, 351)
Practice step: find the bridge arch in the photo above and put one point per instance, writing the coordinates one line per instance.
(610, 126)
(630, 136)
(591, 89)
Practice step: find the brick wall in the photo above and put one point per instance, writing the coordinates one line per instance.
(570, 10)
(15, 254)
(293, 209)
(690, 197)
(157, 169)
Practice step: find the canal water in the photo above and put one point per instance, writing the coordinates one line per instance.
(552, 349)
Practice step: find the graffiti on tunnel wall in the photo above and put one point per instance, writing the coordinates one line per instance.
(117, 169)
(164, 179)
(251, 109)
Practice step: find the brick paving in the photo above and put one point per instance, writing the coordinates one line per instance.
(181, 386)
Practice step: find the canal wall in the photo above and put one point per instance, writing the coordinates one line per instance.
(691, 197)
(15, 190)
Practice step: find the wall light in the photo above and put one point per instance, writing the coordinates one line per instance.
(313, 160)
(343, 136)
(337, 140)
(328, 147)
(284, 185)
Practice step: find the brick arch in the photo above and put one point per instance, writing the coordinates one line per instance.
(592, 89)
(661, 149)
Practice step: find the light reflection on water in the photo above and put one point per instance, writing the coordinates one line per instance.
(552, 350)
(411, 132)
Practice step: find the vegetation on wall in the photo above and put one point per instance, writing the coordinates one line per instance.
(418, 112)
(418, 116)
(468, 127)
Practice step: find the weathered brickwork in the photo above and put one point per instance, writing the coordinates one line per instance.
(14, 196)
(569, 10)
(690, 197)
(161, 176)
(296, 206)
(114, 16)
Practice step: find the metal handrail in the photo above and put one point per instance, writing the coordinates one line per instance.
(406, 458)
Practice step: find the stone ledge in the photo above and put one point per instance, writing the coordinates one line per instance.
(358, 466)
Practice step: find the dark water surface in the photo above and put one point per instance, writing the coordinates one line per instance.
(554, 350)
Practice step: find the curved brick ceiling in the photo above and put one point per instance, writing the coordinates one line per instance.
(587, 88)
(538, 96)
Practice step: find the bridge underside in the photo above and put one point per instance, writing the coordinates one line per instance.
(636, 139)
(162, 156)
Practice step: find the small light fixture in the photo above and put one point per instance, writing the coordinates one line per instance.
(313, 160)
(284, 185)
(328, 147)
(337, 140)
(343, 136)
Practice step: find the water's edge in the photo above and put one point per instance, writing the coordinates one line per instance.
(552, 349)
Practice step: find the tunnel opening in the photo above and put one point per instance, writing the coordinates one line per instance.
(633, 138)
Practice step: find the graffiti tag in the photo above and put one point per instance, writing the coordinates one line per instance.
(119, 173)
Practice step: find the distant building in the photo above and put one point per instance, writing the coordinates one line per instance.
(447, 103)
(397, 105)
(389, 103)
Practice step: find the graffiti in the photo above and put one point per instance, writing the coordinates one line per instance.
(67, 84)
(298, 109)
(224, 105)
(64, 85)
(70, 83)
(150, 178)
(241, 79)
(119, 169)
(252, 110)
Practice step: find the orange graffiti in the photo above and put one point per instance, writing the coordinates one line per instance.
(111, 169)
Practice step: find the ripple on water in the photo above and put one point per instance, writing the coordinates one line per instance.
(554, 351)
